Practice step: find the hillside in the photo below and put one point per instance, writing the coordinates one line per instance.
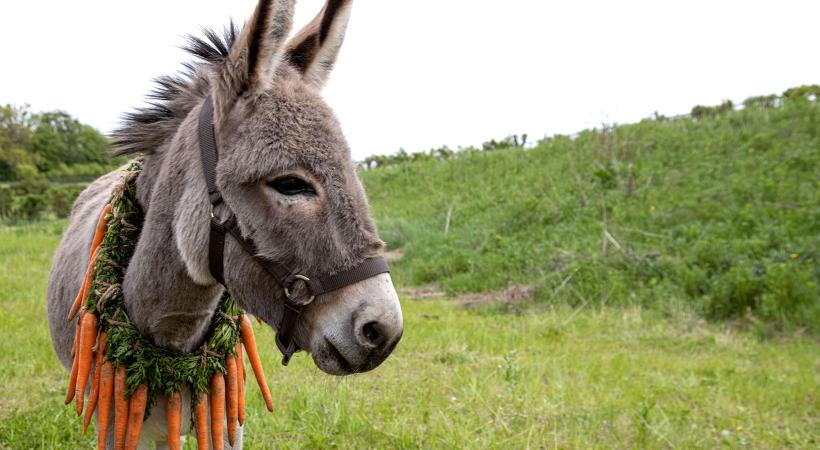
(717, 212)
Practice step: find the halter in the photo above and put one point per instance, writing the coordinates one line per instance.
(288, 278)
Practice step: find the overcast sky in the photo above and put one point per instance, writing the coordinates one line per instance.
(423, 73)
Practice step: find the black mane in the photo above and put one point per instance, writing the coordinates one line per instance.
(146, 128)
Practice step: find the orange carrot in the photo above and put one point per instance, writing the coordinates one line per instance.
(72, 380)
(240, 403)
(106, 391)
(232, 400)
(256, 363)
(136, 416)
(174, 417)
(88, 337)
(95, 381)
(78, 300)
(241, 361)
(201, 421)
(89, 276)
(85, 287)
(120, 406)
(240, 400)
(217, 409)
(102, 224)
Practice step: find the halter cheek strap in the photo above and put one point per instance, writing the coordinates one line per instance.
(288, 278)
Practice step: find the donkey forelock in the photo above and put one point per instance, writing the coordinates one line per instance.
(312, 52)
(146, 129)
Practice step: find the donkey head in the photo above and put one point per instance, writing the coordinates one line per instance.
(285, 171)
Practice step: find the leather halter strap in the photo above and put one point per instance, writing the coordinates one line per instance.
(287, 278)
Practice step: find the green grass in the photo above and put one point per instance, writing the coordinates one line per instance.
(549, 376)
(720, 215)
(675, 266)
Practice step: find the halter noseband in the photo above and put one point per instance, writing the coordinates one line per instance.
(286, 277)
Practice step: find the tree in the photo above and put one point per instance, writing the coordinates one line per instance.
(16, 125)
(59, 138)
(805, 92)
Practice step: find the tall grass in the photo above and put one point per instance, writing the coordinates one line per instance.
(719, 214)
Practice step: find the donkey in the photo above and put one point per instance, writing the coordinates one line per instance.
(286, 172)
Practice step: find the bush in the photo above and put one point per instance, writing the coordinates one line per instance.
(29, 207)
(395, 233)
(60, 200)
(6, 201)
(30, 201)
(791, 295)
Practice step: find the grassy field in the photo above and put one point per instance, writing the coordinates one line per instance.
(547, 376)
(719, 214)
(652, 285)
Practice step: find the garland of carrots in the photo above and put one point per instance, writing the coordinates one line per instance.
(127, 372)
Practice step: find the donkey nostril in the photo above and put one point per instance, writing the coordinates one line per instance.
(370, 330)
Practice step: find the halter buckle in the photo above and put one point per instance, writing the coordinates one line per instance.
(293, 299)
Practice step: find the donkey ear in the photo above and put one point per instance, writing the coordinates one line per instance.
(259, 47)
(314, 49)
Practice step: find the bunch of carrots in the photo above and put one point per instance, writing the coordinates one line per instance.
(109, 384)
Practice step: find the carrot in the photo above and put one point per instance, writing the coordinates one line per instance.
(120, 406)
(240, 403)
(217, 409)
(95, 381)
(240, 361)
(102, 224)
(89, 276)
(72, 380)
(85, 287)
(104, 402)
(78, 300)
(256, 364)
(201, 421)
(232, 401)
(88, 337)
(136, 415)
(174, 417)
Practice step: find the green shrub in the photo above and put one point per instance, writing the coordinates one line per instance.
(29, 207)
(60, 201)
(6, 201)
(791, 294)
(395, 233)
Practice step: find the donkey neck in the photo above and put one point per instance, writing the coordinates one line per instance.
(168, 297)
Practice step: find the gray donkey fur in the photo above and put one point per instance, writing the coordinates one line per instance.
(270, 122)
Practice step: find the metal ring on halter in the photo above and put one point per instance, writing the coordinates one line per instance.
(305, 279)
(211, 210)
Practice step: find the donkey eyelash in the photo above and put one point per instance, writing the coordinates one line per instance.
(292, 185)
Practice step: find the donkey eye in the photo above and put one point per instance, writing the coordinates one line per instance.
(292, 185)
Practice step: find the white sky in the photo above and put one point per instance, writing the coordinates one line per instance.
(423, 73)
